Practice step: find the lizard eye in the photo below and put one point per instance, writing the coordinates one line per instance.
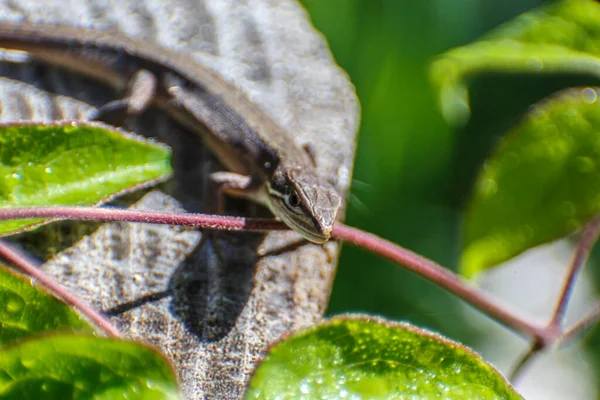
(292, 201)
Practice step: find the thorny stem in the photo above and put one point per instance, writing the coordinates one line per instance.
(32, 268)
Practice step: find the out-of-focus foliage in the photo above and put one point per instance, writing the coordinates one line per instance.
(534, 188)
(413, 171)
(540, 185)
(562, 37)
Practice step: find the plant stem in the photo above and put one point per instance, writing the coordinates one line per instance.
(107, 214)
(581, 326)
(588, 237)
(554, 327)
(413, 262)
(32, 268)
(441, 277)
(519, 367)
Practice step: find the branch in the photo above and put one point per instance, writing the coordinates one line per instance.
(108, 214)
(589, 236)
(581, 326)
(413, 262)
(26, 264)
(440, 276)
(554, 327)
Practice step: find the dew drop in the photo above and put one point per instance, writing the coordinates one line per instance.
(82, 385)
(589, 95)
(534, 64)
(489, 187)
(28, 362)
(305, 387)
(14, 305)
(48, 170)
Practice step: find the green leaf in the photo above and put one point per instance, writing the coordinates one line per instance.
(72, 164)
(26, 310)
(84, 367)
(365, 357)
(562, 37)
(542, 183)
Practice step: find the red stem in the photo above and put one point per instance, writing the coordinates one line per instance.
(581, 326)
(441, 277)
(413, 262)
(589, 236)
(32, 268)
(151, 217)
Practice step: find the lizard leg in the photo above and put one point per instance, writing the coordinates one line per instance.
(224, 183)
(139, 93)
(231, 184)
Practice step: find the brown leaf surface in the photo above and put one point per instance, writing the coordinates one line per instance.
(213, 317)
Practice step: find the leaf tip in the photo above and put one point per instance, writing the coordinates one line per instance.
(453, 95)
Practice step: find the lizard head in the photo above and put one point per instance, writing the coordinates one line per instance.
(304, 201)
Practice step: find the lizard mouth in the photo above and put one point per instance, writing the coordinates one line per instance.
(308, 228)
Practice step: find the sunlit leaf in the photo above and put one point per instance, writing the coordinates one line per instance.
(83, 367)
(25, 310)
(540, 184)
(72, 164)
(369, 358)
(561, 37)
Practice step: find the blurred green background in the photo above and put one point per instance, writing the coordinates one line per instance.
(413, 172)
(408, 177)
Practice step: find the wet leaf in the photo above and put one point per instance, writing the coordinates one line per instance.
(542, 183)
(72, 164)
(26, 310)
(561, 37)
(83, 367)
(365, 357)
